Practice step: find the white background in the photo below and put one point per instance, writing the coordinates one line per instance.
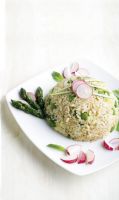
(42, 34)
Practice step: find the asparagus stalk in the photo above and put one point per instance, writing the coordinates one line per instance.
(23, 94)
(39, 97)
(27, 109)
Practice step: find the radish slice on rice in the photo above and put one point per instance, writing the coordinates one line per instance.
(84, 91)
(74, 67)
(82, 72)
(67, 72)
(75, 85)
(70, 159)
(112, 144)
(73, 149)
(81, 157)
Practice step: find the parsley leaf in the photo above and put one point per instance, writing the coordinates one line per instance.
(57, 76)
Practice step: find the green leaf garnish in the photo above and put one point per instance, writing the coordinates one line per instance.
(57, 147)
(84, 115)
(112, 129)
(51, 120)
(116, 93)
(71, 97)
(117, 128)
(57, 76)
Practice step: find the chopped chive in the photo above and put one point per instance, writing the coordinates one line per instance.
(57, 147)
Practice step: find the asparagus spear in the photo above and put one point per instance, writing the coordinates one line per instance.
(27, 109)
(39, 97)
(23, 94)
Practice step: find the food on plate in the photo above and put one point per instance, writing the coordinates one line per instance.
(111, 145)
(78, 106)
(27, 109)
(74, 154)
(34, 102)
(82, 108)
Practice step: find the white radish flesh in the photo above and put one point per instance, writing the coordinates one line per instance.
(67, 72)
(74, 67)
(82, 72)
(73, 149)
(76, 84)
(70, 159)
(81, 157)
(84, 91)
(90, 157)
(111, 145)
(114, 141)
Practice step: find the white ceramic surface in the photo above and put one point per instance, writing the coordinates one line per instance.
(41, 134)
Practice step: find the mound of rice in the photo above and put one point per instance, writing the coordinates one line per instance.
(82, 119)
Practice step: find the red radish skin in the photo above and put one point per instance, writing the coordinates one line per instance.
(75, 81)
(106, 146)
(90, 157)
(81, 157)
(111, 145)
(31, 95)
(84, 91)
(73, 149)
(70, 159)
(76, 84)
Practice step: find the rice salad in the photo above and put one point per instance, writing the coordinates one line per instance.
(82, 119)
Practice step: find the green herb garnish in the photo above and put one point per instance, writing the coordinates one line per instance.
(116, 93)
(57, 76)
(102, 91)
(84, 115)
(51, 121)
(57, 147)
(53, 106)
(114, 111)
(117, 127)
(71, 97)
(116, 104)
(112, 129)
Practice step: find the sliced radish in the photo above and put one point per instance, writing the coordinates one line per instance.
(107, 146)
(82, 72)
(114, 141)
(70, 159)
(90, 157)
(75, 84)
(31, 95)
(67, 72)
(84, 91)
(111, 145)
(74, 67)
(73, 149)
(81, 157)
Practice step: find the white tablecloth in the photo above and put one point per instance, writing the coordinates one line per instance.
(41, 34)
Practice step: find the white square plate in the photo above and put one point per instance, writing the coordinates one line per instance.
(41, 134)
